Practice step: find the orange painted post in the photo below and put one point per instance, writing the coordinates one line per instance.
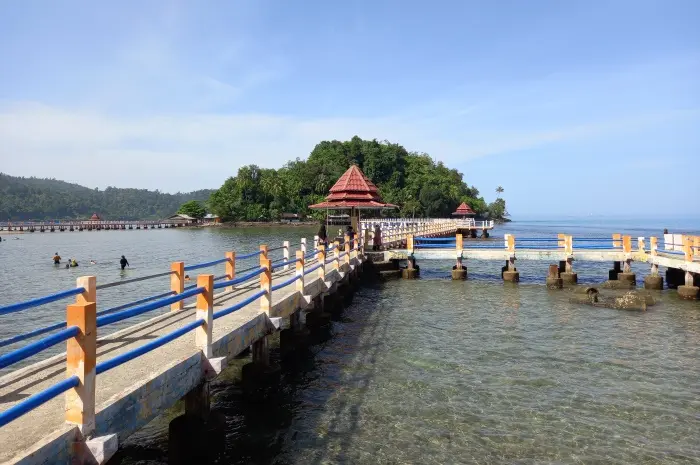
(347, 251)
(89, 283)
(322, 260)
(653, 245)
(511, 243)
(300, 270)
(688, 249)
(569, 245)
(205, 312)
(263, 255)
(266, 285)
(285, 252)
(641, 246)
(336, 256)
(230, 268)
(409, 244)
(627, 244)
(459, 242)
(81, 357)
(561, 241)
(177, 283)
(617, 240)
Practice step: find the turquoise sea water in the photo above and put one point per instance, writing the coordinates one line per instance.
(434, 371)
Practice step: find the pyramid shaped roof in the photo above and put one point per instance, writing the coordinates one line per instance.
(353, 190)
(463, 210)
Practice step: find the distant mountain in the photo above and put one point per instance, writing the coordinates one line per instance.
(23, 199)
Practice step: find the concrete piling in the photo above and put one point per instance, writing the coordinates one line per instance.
(688, 291)
(553, 280)
(617, 269)
(652, 282)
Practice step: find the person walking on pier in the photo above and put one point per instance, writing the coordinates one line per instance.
(56, 259)
(322, 235)
(377, 239)
(124, 262)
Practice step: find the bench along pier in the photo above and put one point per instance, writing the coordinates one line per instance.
(79, 405)
(679, 254)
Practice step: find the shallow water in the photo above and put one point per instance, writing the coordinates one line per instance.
(436, 371)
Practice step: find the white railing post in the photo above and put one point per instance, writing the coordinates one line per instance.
(285, 251)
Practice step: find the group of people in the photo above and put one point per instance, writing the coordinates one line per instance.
(323, 236)
(72, 262)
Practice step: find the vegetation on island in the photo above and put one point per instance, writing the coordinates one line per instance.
(193, 208)
(24, 199)
(416, 183)
(420, 186)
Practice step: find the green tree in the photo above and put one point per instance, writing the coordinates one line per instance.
(499, 190)
(193, 209)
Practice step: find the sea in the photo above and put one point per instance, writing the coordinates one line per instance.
(428, 371)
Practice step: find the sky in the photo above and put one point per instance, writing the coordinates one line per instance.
(574, 107)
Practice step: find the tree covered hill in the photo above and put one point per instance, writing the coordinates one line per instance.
(414, 181)
(24, 199)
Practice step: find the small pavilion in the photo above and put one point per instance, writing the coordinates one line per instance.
(464, 211)
(353, 192)
(95, 217)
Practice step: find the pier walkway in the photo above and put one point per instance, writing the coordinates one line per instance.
(117, 383)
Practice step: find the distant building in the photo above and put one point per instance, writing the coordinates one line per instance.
(179, 218)
(95, 217)
(211, 218)
(291, 217)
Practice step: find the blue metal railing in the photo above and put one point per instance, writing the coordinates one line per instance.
(5, 309)
(154, 344)
(240, 279)
(205, 264)
(114, 317)
(285, 283)
(250, 255)
(239, 305)
(313, 268)
(37, 346)
(32, 402)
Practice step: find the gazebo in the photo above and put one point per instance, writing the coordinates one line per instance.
(354, 192)
(95, 217)
(464, 211)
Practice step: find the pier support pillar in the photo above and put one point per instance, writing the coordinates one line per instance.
(617, 269)
(627, 277)
(553, 280)
(510, 273)
(568, 276)
(198, 402)
(260, 376)
(688, 291)
(411, 271)
(459, 271)
(652, 282)
(472, 233)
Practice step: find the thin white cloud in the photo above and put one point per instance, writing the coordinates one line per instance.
(190, 151)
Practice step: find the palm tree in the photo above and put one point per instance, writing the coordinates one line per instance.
(499, 190)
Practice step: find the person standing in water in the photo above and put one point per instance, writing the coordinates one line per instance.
(56, 259)
(124, 262)
(322, 235)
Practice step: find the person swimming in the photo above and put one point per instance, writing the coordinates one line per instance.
(124, 262)
(56, 259)
(73, 262)
(93, 262)
(187, 277)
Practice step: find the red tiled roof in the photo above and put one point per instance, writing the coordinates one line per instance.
(360, 204)
(353, 190)
(463, 209)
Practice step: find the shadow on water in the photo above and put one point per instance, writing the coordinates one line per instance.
(299, 417)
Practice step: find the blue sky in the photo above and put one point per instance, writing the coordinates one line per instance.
(574, 107)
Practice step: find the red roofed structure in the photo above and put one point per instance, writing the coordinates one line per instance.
(464, 210)
(353, 191)
(95, 217)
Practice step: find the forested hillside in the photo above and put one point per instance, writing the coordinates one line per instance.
(38, 199)
(414, 181)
